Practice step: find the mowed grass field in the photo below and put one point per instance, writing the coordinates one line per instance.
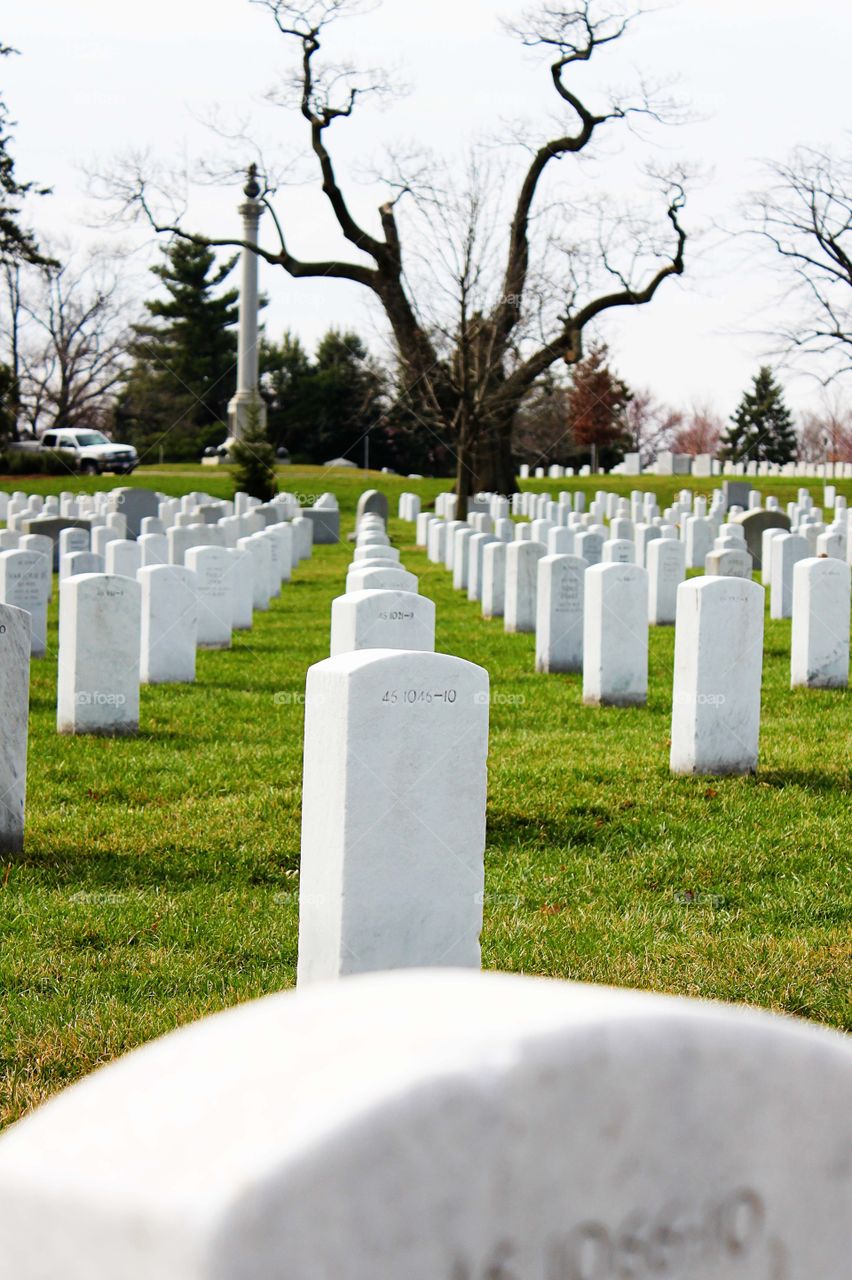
(160, 876)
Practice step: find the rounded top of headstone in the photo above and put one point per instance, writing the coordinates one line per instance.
(252, 187)
(438, 1123)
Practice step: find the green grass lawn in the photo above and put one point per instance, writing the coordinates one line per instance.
(160, 876)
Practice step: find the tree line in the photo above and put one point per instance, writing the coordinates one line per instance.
(494, 289)
(163, 384)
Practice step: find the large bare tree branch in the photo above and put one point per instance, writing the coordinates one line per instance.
(567, 345)
(806, 218)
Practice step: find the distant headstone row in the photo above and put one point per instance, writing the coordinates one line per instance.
(145, 581)
(589, 584)
(393, 809)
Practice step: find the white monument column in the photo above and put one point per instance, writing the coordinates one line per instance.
(247, 397)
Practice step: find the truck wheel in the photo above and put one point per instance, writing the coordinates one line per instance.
(89, 469)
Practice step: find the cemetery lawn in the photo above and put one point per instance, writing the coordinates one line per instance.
(160, 876)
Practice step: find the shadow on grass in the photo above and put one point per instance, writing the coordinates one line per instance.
(805, 779)
(59, 866)
(579, 827)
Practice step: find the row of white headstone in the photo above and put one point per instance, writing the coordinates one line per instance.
(592, 614)
(393, 798)
(131, 612)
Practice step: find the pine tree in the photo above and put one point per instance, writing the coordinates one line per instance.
(177, 390)
(762, 428)
(254, 459)
(16, 244)
(595, 407)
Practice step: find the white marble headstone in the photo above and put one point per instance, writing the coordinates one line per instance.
(393, 813)
(99, 647)
(169, 629)
(445, 1126)
(382, 620)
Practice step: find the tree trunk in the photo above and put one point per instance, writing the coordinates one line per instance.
(494, 467)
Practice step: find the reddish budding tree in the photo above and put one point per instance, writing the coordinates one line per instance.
(511, 311)
(597, 400)
(700, 432)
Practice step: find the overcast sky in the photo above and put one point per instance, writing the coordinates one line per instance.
(97, 79)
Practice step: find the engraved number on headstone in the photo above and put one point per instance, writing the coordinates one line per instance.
(419, 695)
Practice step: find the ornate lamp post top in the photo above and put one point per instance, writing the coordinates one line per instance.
(252, 187)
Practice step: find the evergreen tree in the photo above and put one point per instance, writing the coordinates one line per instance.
(762, 428)
(16, 244)
(254, 459)
(286, 372)
(323, 409)
(595, 408)
(183, 375)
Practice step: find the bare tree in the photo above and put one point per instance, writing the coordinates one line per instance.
(806, 215)
(70, 344)
(825, 435)
(513, 309)
(700, 431)
(650, 424)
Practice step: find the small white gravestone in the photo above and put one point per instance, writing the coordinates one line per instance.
(559, 614)
(169, 624)
(560, 541)
(766, 554)
(436, 541)
(588, 545)
(80, 562)
(286, 561)
(731, 561)
(494, 580)
(101, 534)
(819, 654)
(520, 590)
(242, 588)
(382, 620)
(123, 558)
(303, 538)
(274, 564)
(785, 551)
(24, 579)
(99, 645)
(615, 636)
(380, 580)
(476, 550)
(258, 549)
(461, 557)
(717, 674)
(154, 548)
(15, 643)
(369, 550)
(442, 1125)
(393, 813)
(43, 546)
(72, 540)
(449, 543)
(213, 569)
(698, 541)
(666, 570)
(618, 551)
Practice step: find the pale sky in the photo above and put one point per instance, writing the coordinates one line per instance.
(98, 78)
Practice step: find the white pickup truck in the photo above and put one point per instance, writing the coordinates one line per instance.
(91, 451)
